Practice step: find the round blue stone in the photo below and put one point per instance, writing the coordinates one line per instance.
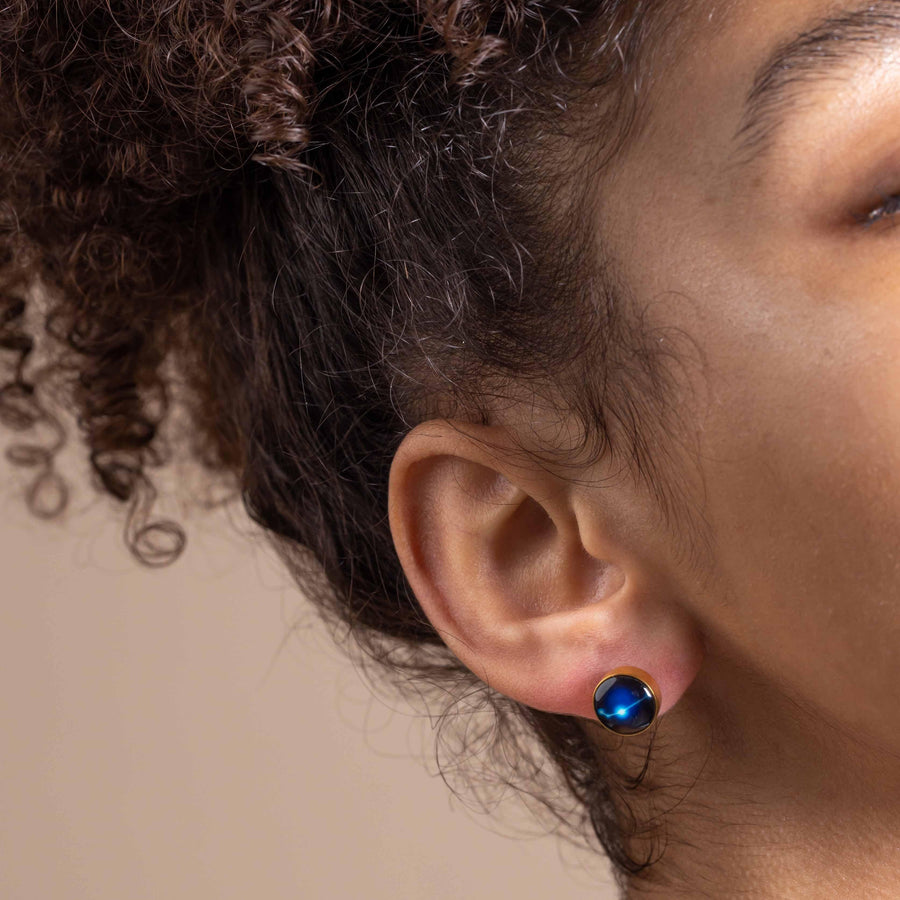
(624, 704)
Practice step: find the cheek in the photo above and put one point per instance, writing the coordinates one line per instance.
(799, 437)
(791, 384)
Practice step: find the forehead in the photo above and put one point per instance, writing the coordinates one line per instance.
(708, 72)
(734, 62)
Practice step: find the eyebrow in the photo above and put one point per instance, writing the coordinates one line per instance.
(806, 61)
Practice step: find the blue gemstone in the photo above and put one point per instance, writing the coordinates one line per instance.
(624, 704)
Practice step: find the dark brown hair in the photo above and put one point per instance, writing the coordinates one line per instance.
(312, 224)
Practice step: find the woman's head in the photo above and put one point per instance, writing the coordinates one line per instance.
(535, 355)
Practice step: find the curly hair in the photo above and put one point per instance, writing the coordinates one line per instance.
(325, 220)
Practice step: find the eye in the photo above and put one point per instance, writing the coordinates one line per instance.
(886, 209)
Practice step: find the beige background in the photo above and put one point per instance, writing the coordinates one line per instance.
(161, 740)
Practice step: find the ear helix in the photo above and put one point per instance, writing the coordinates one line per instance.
(627, 700)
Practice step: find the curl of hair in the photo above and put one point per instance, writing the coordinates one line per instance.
(313, 209)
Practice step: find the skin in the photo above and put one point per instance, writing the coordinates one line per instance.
(776, 766)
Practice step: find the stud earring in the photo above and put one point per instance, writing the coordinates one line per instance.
(627, 700)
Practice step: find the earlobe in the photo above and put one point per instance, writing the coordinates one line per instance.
(494, 550)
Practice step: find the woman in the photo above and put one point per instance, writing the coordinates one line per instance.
(547, 339)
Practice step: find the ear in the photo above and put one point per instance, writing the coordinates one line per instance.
(538, 583)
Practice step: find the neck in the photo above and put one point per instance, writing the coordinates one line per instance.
(748, 794)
